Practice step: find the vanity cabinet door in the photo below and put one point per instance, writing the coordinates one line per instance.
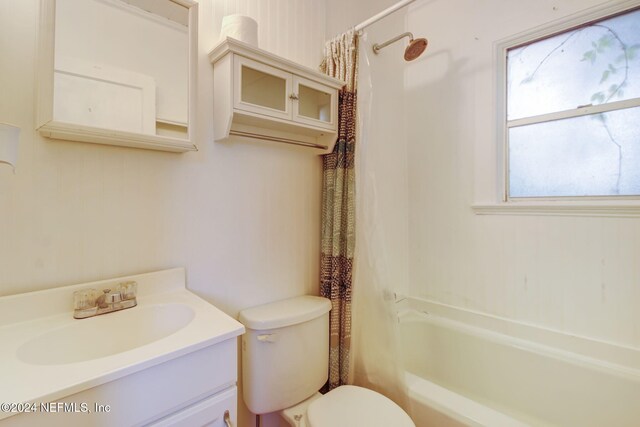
(261, 89)
(219, 410)
(314, 104)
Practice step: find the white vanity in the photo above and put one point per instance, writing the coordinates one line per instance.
(169, 361)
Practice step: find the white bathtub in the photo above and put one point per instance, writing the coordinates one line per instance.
(460, 375)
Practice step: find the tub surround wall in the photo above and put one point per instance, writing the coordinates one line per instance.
(578, 275)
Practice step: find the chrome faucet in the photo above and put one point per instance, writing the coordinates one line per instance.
(89, 302)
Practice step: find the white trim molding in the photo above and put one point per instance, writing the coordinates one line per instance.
(622, 206)
(618, 209)
(583, 110)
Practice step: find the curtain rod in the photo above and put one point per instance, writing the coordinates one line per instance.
(388, 11)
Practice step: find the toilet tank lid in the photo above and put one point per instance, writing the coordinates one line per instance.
(284, 313)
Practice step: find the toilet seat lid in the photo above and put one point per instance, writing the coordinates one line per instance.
(351, 406)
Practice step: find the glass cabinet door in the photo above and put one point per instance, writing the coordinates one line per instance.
(262, 89)
(314, 103)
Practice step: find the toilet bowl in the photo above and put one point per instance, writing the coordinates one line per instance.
(285, 361)
(347, 406)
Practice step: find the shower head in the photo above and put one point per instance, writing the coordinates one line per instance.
(413, 50)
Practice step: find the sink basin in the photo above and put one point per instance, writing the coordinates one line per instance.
(105, 335)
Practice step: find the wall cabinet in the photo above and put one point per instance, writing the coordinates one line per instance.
(260, 95)
(129, 85)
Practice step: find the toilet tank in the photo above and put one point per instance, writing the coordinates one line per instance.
(285, 352)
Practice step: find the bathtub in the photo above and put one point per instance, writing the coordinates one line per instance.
(462, 375)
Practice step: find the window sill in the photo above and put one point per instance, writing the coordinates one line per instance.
(608, 209)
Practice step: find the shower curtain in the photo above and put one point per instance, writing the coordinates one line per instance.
(338, 208)
(356, 255)
(377, 360)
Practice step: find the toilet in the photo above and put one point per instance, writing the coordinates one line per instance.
(285, 355)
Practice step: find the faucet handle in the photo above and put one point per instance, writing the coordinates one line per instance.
(128, 290)
(84, 299)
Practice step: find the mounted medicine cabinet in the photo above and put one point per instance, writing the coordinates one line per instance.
(262, 96)
(118, 72)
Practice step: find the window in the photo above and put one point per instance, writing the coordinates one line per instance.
(573, 112)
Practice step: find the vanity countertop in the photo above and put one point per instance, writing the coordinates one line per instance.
(163, 302)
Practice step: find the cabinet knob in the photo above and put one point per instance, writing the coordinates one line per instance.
(293, 96)
(227, 419)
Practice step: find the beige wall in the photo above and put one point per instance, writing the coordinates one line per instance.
(242, 217)
(294, 29)
(342, 15)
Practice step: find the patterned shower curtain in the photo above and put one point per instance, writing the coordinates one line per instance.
(338, 208)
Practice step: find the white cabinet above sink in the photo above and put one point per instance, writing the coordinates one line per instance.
(263, 96)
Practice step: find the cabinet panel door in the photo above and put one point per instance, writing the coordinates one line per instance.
(210, 412)
(316, 104)
(259, 88)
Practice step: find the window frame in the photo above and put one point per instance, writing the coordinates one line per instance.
(589, 205)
